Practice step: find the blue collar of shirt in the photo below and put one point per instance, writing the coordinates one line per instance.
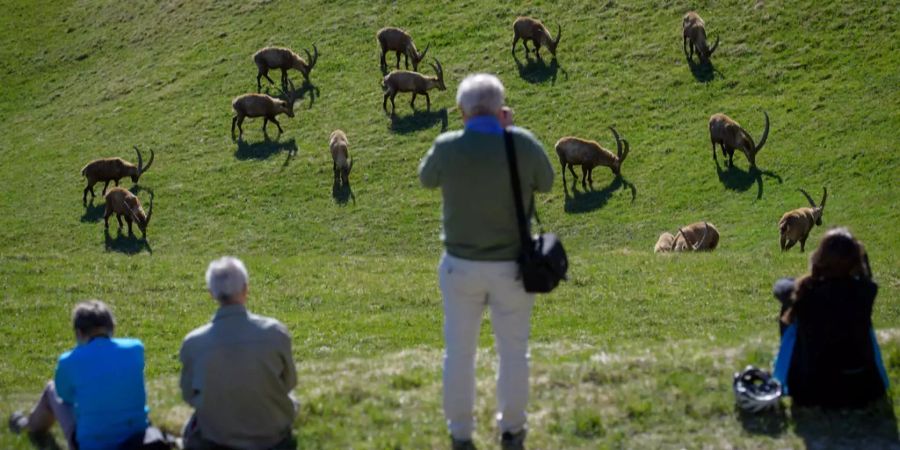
(484, 124)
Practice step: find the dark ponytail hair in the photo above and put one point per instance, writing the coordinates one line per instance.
(839, 256)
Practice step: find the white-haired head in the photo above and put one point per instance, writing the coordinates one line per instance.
(227, 279)
(480, 94)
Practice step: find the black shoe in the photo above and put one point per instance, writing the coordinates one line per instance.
(457, 444)
(17, 422)
(513, 441)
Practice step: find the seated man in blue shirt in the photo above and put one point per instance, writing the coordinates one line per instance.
(97, 395)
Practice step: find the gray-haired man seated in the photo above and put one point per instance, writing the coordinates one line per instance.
(237, 371)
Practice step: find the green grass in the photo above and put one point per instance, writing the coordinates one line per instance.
(635, 351)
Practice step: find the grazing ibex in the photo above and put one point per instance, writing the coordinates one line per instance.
(694, 33)
(125, 204)
(573, 151)
(723, 130)
(533, 30)
(405, 81)
(284, 59)
(259, 105)
(697, 236)
(113, 169)
(340, 156)
(795, 225)
(396, 40)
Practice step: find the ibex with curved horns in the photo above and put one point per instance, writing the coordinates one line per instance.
(406, 81)
(689, 238)
(573, 151)
(284, 59)
(396, 40)
(529, 29)
(113, 169)
(726, 132)
(125, 204)
(694, 33)
(796, 224)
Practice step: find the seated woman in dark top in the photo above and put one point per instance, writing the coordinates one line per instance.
(829, 356)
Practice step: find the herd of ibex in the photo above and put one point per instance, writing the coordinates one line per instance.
(794, 226)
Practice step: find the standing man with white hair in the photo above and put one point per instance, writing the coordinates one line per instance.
(481, 239)
(237, 371)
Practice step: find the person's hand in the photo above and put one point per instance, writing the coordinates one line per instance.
(506, 117)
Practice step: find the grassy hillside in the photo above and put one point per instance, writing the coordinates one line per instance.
(636, 350)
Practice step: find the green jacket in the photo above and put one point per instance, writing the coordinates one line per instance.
(479, 218)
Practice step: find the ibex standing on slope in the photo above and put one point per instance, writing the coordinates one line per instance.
(340, 156)
(405, 81)
(284, 59)
(533, 30)
(259, 105)
(399, 41)
(795, 225)
(113, 169)
(573, 151)
(723, 130)
(125, 204)
(694, 33)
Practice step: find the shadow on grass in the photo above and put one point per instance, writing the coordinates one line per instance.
(591, 200)
(124, 243)
(419, 120)
(772, 424)
(703, 72)
(537, 71)
(872, 427)
(342, 193)
(44, 441)
(290, 91)
(736, 179)
(93, 213)
(265, 149)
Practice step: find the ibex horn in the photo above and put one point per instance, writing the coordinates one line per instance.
(558, 34)
(765, 135)
(716, 45)
(140, 159)
(618, 142)
(824, 197)
(149, 163)
(811, 202)
(700, 242)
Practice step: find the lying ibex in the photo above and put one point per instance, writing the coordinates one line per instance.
(694, 33)
(795, 225)
(405, 81)
(340, 156)
(284, 59)
(533, 30)
(125, 204)
(396, 40)
(665, 243)
(694, 237)
(723, 130)
(573, 151)
(113, 169)
(259, 105)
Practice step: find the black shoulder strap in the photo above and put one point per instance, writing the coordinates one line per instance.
(516, 189)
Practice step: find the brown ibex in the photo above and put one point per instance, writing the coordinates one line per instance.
(113, 169)
(723, 130)
(396, 40)
(665, 243)
(694, 33)
(340, 156)
(125, 204)
(573, 151)
(795, 225)
(406, 81)
(529, 29)
(699, 236)
(284, 59)
(259, 105)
